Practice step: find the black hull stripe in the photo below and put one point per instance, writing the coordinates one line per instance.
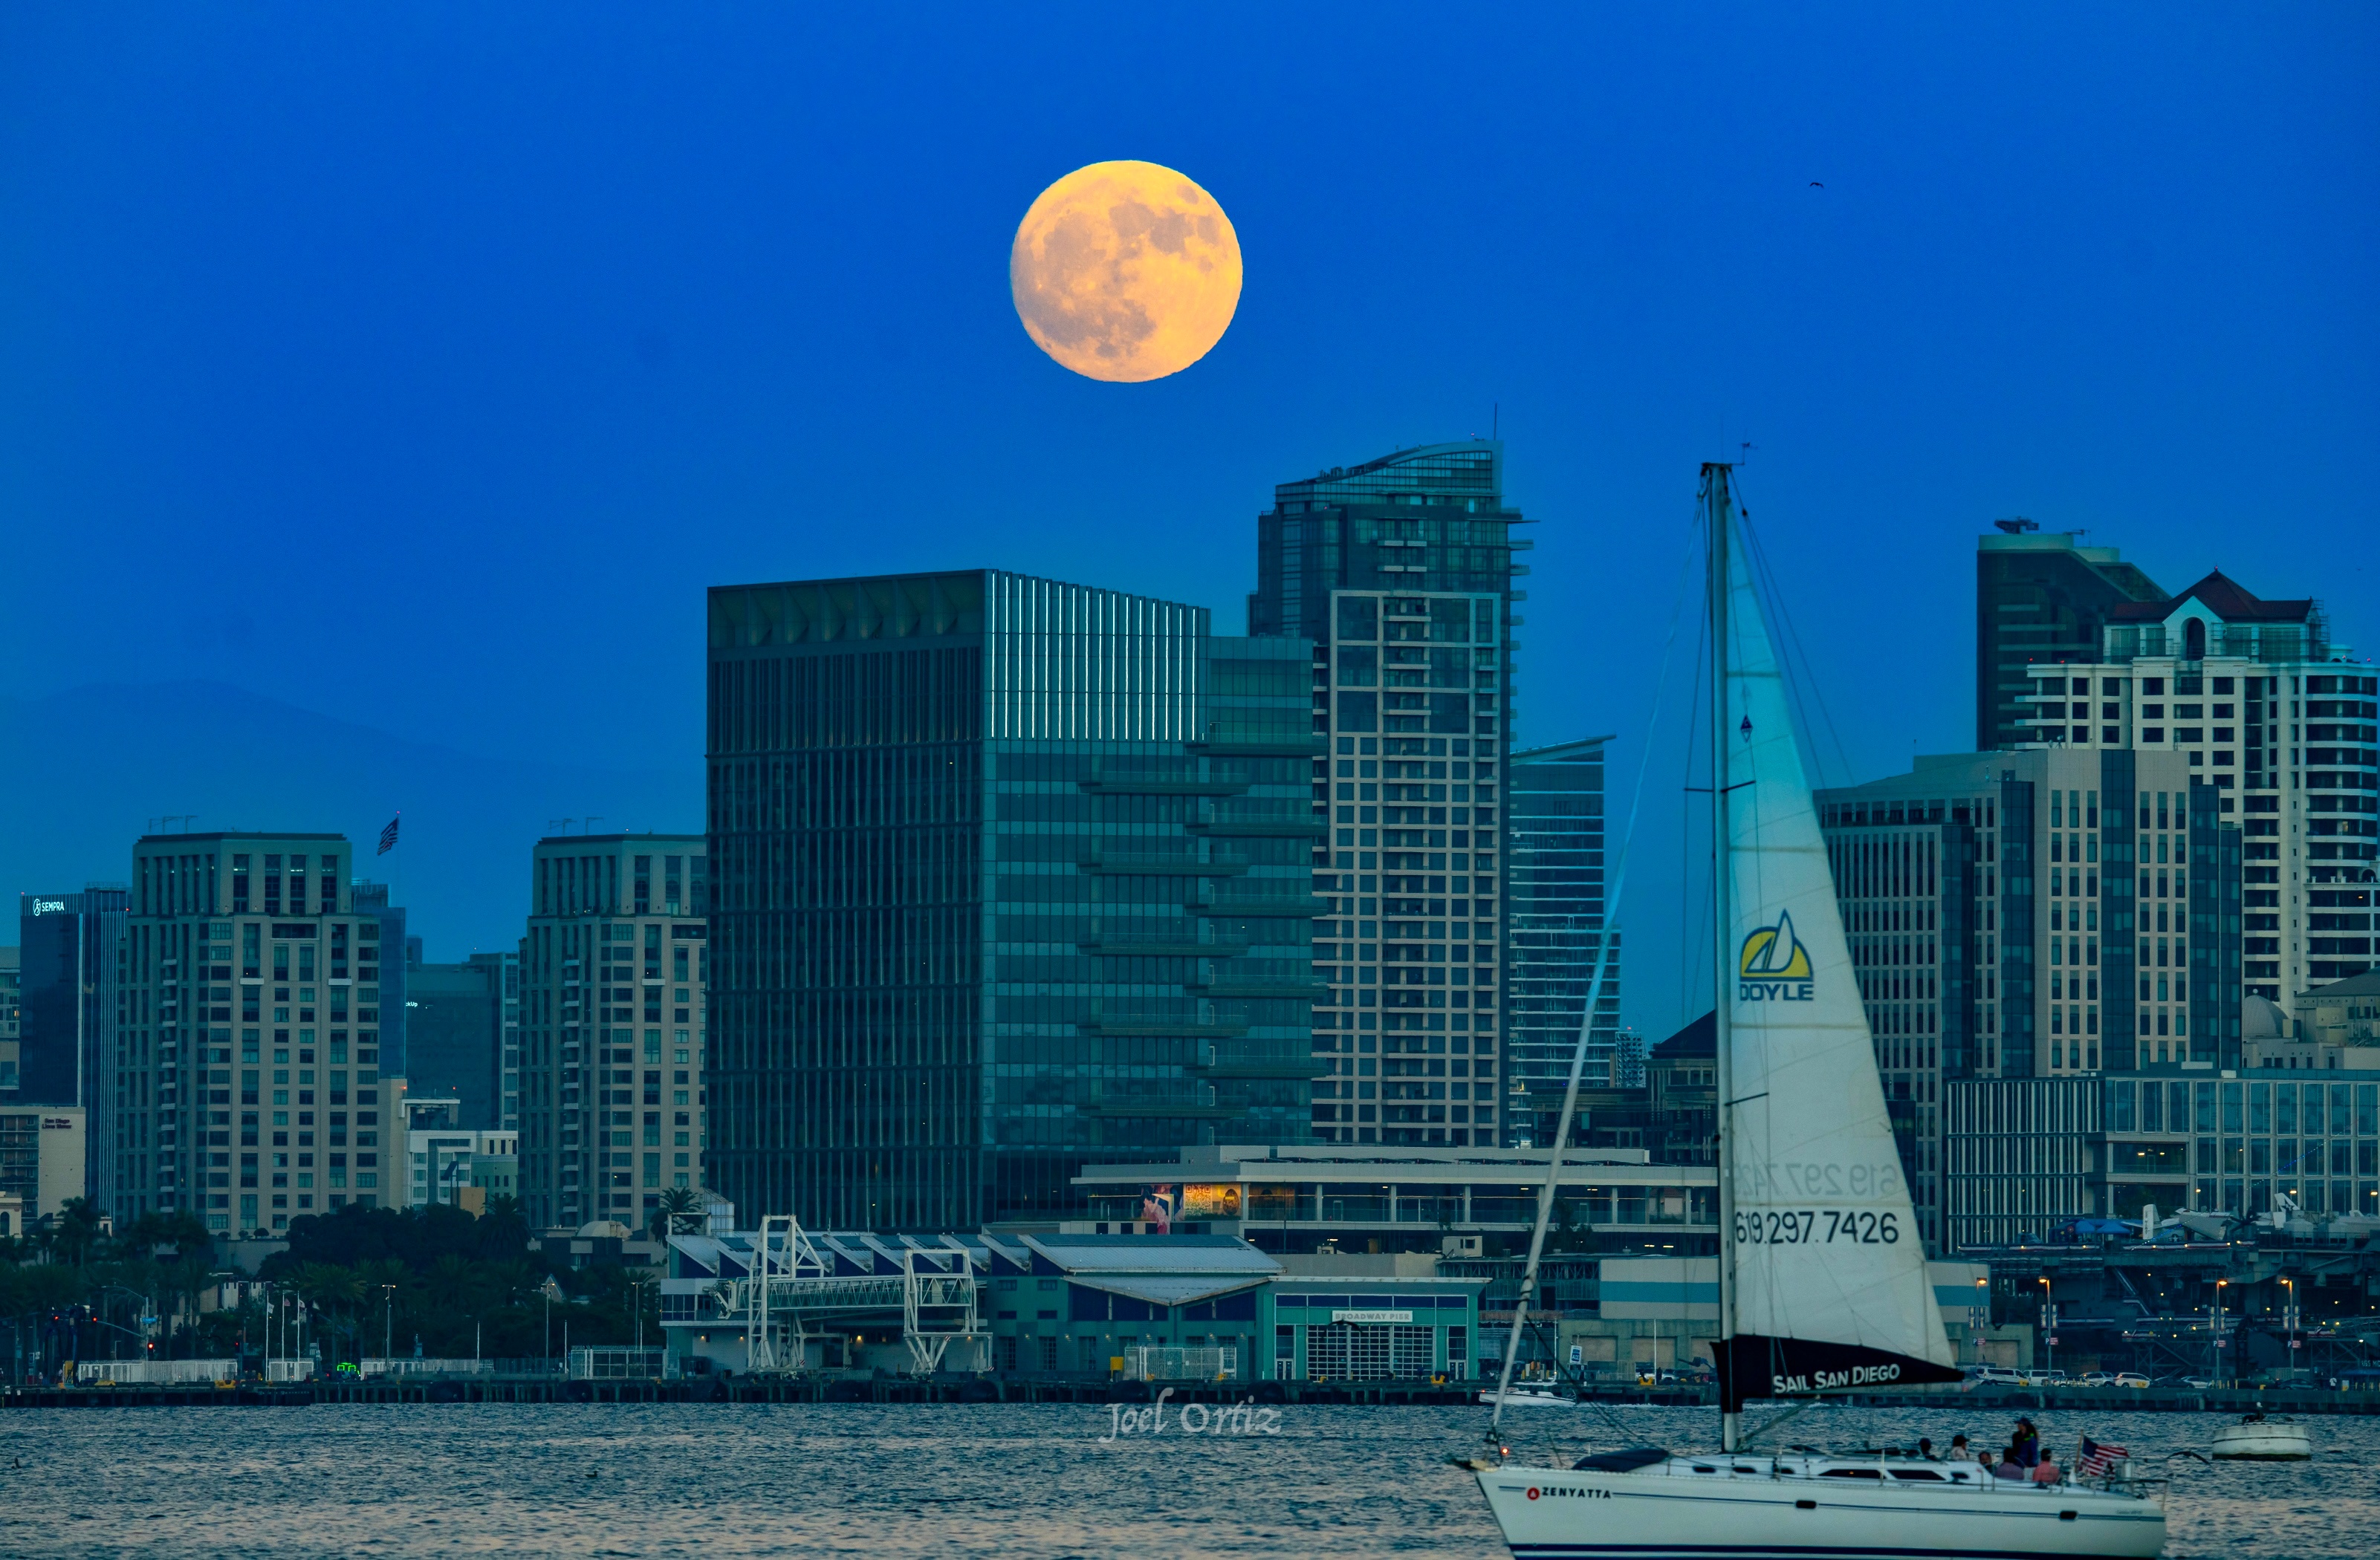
(1785, 1551)
(1777, 1552)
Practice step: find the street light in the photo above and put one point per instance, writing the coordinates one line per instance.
(1979, 1316)
(2215, 1365)
(2290, 1317)
(2048, 1328)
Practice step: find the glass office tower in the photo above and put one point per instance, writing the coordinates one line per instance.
(1556, 913)
(1009, 877)
(1399, 572)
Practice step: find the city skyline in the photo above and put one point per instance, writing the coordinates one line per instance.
(470, 903)
(505, 367)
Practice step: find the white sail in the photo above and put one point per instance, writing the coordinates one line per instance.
(1829, 1284)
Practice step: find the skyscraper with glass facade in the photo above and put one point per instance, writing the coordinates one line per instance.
(1399, 572)
(1554, 845)
(1009, 877)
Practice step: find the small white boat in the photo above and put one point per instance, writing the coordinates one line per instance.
(2258, 1439)
(1531, 1397)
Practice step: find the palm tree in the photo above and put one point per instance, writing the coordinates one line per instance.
(678, 1203)
(77, 1229)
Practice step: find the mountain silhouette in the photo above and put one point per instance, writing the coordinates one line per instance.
(88, 770)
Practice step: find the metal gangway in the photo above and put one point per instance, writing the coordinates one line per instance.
(792, 1287)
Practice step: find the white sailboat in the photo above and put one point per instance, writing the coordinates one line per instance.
(1822, 1272)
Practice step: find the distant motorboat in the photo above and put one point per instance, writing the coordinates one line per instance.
(1531, 1397)
(2258, 1439)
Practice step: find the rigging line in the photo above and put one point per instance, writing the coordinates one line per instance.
(1688, 965)
(1560, 1150)
(1809, 671)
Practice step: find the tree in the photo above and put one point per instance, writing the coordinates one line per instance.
(678, 1203)
(180, 1229)
(75, 1233)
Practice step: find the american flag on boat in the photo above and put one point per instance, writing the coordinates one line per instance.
(2096, 1457)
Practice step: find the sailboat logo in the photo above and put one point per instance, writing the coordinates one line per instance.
(1774, 965)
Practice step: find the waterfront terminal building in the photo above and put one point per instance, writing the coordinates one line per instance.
(1194, 1308)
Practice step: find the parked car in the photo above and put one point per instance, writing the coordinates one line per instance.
(1994, 1375)
(2200, 1383)
(2126, 1378)
(2097, 1378)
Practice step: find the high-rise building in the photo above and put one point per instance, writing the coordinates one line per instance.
(2040, 600)
(2033, 914)
(462, 1022)
(68, 1006)
(2267, 711)
(1399, 572)
(244, 954)
(613, 977)
(12, 986)
(1554, 913)
(1010, 876)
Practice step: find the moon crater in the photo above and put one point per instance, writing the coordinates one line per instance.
(1126, 272)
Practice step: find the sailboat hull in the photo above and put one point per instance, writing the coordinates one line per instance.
(1668, 1512)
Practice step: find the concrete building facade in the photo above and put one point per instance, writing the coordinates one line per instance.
(2041, 599)
(614, 974)
(246, 1086)
(451, 1163)
(2269, 712)
(1399, 571)
(2033, 914)
(11, 995)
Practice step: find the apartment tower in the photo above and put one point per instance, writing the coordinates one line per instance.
(1400, 573)
(613, 977)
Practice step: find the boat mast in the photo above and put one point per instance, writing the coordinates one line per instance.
(1717, 502)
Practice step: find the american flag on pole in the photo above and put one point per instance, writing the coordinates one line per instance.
(388, 836)
(2096, 1457)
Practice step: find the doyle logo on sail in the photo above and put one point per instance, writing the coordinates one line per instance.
(1774, 965)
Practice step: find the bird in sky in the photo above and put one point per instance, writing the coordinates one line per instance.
(1815, 185)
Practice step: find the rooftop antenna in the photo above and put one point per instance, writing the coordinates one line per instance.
(560, 824)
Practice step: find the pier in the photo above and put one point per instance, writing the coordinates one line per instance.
(851, 1387)
(952, 1387)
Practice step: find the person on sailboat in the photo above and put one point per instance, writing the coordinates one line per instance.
(2007, 1466)
(2047, 1470)
(1959, 1449)
(2024, 1444)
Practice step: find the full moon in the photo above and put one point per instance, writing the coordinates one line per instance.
(1126, 272)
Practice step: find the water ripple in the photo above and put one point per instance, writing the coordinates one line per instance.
(980, 1480)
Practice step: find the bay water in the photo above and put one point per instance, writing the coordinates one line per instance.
(574, 1479)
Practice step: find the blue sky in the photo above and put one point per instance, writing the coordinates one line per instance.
(419, 365)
